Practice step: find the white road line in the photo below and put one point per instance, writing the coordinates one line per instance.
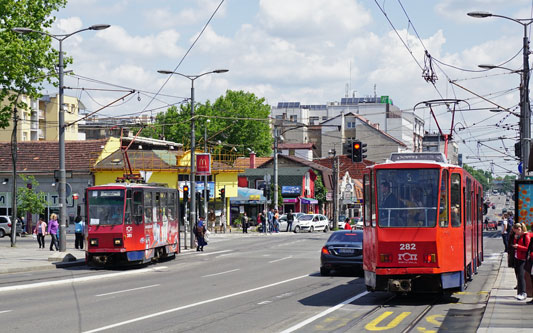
(273, 261)
(156, 314)
(225, 255)
(80, 279)
(233, 270)
(264, 302)
(5, 311)
(211, 253)
(124, 291)
(323, 313)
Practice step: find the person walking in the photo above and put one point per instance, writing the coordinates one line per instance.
(244, 223)
(271, 220)
(276, 220)
(211, 219)
(40, 231)
(290, 219)
(520, 243)
(53, 228)
(79, 227)
(199, 232)
(347, 225)
(505, 232)
(263, 222)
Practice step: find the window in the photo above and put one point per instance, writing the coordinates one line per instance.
(148, 208)
(106, 207)
(455, 200)
(443, 206)
(350, 124)
(294, 118)
(468, 203)
(127, 214)
(138, 207)
(368, 199)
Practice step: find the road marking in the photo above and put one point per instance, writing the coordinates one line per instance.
(273, 261)
(5, 311)
(323, 313)
(264, 302)
(233, 270)
(156, 314)
(124, 291)
(80, 279)
(373, 325)
(225, 255)
(210, 253)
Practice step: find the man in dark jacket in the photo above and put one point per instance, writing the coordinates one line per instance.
(290, 219)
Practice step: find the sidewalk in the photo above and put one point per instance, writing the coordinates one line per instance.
(504, 313)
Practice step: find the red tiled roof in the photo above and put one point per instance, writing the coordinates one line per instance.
(244, 162)
(296, 146)
(346, 165)
(39, 156)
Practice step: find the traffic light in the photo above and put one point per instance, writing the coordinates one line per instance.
(185, 193)
(517, 149)
(358, 150)
(222, 193)
(205, 193)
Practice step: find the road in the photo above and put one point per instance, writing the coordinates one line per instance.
(239, 284)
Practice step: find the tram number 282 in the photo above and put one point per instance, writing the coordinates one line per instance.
(407, 246)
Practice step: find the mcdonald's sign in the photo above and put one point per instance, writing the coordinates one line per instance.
(203, 164)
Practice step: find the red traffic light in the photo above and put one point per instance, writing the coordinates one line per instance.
(356, 145)
(185, 188)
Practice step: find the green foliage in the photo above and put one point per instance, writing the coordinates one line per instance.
(29, 201)
(25, 60)
(252, 132)
(320, 190)
(484, 177)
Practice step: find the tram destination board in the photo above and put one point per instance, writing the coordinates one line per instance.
(436, 157)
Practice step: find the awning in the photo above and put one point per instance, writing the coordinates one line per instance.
(248, 196)
(309, 201)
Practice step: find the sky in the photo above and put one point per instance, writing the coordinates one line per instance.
(308, 51)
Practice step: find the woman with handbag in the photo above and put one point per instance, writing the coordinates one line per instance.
(520, 243)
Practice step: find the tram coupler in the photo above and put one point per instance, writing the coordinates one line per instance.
(400, 285)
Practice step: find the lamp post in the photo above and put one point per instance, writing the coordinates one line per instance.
(525, 114)
(206, 198)
(62, 173)
(192, 179)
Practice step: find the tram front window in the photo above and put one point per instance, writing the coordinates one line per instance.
(407, 197)
(106, 207)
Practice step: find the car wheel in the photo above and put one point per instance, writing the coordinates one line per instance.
(297, 229)
(2, 233)
(324, 271)
(312, 229)
(326, 229)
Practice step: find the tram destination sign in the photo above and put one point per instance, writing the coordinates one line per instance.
(436, 157)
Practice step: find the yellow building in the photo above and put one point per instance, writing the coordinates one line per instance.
(40, 121)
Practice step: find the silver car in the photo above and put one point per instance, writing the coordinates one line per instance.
(5, 226)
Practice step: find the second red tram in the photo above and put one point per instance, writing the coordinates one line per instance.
(131, 223)
(423, 225)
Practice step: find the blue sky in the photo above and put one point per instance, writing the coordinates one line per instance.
(306, 51)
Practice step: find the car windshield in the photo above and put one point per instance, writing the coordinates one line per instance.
(305, 218)
(408, 197)
(346, 237)
(106, 207)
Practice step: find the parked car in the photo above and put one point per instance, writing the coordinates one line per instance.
(283, 222)
(340, 222)
(5, 226)
(312, 222)
(343, 249)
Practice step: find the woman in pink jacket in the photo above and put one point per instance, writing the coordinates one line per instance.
(520, 243)
(40, 231)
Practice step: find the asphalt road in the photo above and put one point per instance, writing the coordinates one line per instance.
(239, 284)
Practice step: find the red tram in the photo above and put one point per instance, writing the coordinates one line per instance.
(131, 223)
(423, 225)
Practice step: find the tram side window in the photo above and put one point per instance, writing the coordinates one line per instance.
(171, 205)
(455, 200)
(138, 207)
(468, 205)
(367, 198)
(157, 206)
(373, 201)
(148, 207)
(443, 208)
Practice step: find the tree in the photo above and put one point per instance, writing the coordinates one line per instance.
(484, 177)
(25, 61)
(250, 131)
(320, 190)
(30, 201)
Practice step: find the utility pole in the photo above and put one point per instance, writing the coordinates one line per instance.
(525, 114)
(335, 188)
(276, 167)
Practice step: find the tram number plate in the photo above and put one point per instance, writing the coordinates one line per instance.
(407, 246)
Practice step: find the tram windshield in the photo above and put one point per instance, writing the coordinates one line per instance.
(407, 197)
(106, 207)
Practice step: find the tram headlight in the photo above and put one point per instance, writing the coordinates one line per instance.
(117, 241)
(385, 257)
(429, 258)
(93, 241)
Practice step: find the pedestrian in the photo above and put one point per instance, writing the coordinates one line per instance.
(520, 243)
(211, 219)
(40, 231)
(276, 220)
(53, 227)
(290, 219)
(347, 225)
(505, 231)
(271, 220)
(79, 227)
(199, 232)
(244, 223)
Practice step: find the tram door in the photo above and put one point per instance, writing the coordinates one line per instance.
(133, 220)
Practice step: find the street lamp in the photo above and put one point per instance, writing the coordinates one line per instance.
(62, 174)
(193, 145)
(525, 115)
